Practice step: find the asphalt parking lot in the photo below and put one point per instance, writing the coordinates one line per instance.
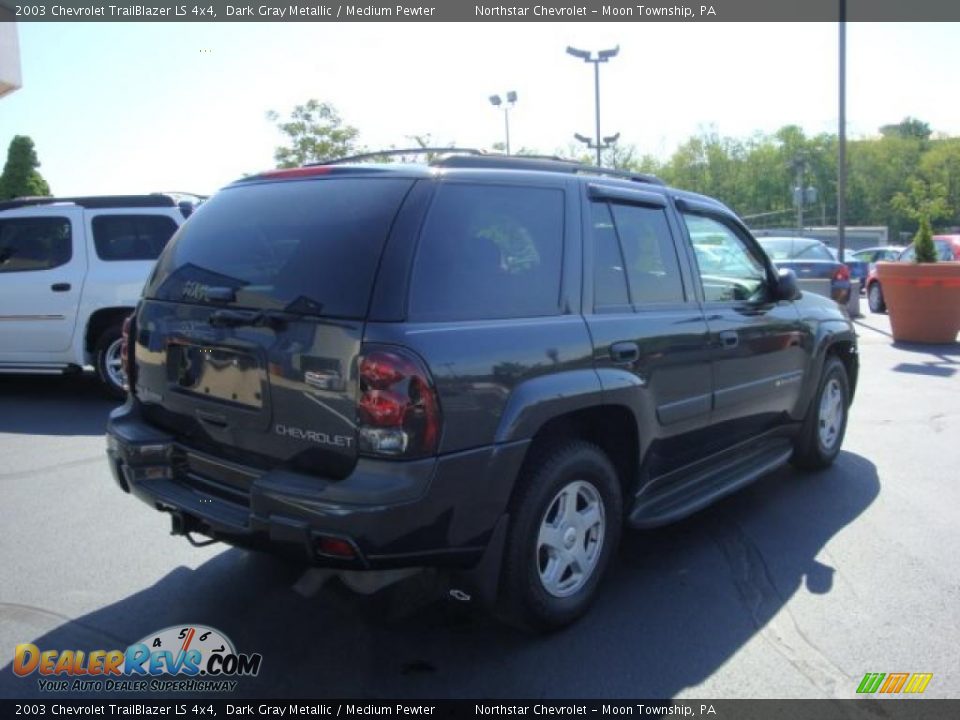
(795, 587)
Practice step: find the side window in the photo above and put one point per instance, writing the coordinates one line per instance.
(609, 273)
(728, 270)
(488, 252)
(39, 243)
(131, 237)
(653, 270)
(908, 255)
(944, 251)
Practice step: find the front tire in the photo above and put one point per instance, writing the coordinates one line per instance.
(565, 526)
(826, 421)
(108, 362)
(875, 298)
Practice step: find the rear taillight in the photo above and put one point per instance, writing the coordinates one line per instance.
(126, 350)
(842, 273)
(398, 410)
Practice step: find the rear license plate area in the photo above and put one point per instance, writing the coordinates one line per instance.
(215, 373)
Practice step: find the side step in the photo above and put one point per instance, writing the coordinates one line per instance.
(684, 492)
(44, 369)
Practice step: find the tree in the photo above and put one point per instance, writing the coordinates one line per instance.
(909, 127)
(20, 176)
(315, 133)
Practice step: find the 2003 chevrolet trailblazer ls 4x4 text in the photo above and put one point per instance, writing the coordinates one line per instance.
(489, 364)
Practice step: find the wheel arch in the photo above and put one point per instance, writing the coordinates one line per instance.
(98, 322)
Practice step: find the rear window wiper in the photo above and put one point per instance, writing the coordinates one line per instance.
(275, 319)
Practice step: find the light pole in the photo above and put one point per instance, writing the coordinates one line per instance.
(506, 107)
(608, 142)
(602, 57)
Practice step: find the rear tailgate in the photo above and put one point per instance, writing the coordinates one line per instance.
(253, 319)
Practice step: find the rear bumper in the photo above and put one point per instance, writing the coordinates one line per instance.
(434, 512)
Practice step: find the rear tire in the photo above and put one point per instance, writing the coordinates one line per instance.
(875, 298)
(565, 526)
(107, 360)
(826, 421)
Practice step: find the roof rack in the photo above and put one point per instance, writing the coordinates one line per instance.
(394, 151)
(101, 201)
(542, 163)
(473, 158)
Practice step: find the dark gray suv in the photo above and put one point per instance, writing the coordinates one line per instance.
(488, 365)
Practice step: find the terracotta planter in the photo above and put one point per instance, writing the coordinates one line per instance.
(923, 300)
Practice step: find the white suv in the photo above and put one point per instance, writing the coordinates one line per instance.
(71, 271)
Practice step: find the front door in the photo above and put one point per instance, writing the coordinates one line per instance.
(757, 342)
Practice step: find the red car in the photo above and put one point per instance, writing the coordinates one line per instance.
(948, 248)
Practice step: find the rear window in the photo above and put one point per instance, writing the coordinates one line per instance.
(303, 246)
(489, 252)
(131, 237)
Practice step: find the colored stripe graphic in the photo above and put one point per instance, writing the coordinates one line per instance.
(870, 682)
(894, 682)
(918, 682)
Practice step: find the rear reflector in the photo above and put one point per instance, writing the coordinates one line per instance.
(334, 547)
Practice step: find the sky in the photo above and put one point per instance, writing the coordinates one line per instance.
(131, 107)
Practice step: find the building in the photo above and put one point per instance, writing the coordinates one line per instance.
(10, 78)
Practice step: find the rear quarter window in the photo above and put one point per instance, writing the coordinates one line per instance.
(489, 252)
(131, 237)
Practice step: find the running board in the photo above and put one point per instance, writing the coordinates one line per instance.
(684, 492)
(46, 369)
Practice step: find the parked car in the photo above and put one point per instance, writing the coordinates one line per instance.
(880, 253)
(948, 249)
(859, 269)
(71, 269)
(489, 365)
(810, 259)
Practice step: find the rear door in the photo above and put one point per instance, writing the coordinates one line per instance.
(757, 343)
(42, 266)
(646, 320)
(252, 321)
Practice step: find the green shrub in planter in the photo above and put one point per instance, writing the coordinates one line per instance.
(926, 251)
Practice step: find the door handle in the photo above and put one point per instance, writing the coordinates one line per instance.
(729, 339)
(624, 352)
(60, 287)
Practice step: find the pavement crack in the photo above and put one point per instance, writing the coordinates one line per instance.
(767, 608)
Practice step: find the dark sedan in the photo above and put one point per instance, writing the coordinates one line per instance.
(810, 259)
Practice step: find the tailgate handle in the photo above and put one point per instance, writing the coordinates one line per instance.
(219, 421)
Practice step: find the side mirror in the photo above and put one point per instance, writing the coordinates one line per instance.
(787, 288)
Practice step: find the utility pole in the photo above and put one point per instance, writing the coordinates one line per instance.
(842, 136)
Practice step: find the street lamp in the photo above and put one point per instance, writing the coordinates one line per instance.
(506, 107)
(608, 142)
(602, 57)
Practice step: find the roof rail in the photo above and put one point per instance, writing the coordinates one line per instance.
(542, 163)
(395, 151)
(101, 201)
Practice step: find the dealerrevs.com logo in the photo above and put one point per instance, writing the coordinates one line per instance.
(201, 658)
